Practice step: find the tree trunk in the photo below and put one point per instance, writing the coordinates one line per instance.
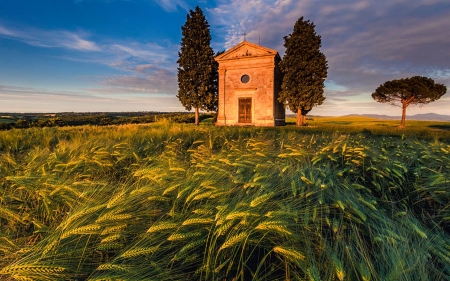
(402, 125)
(196, 116)
(303, 120)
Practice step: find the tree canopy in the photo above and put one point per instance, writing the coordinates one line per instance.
(197, 71)
(407, 91)
(304, 69)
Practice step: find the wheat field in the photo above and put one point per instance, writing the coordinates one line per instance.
(180, 202)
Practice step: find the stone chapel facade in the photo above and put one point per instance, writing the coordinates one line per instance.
(249, 83)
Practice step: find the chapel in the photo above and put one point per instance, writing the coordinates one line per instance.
(249, 83)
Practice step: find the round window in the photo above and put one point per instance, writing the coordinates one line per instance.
(245, 78)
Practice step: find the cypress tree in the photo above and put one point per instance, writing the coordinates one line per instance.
(304, 69)
(197, 71)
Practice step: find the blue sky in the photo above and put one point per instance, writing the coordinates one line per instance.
(120, 55)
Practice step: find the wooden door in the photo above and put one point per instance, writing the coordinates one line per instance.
(245, 110)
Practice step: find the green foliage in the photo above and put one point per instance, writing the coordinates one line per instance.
(414, 90)
(407, 91)
(171, 201)
(100, 119)
(304, 69)
(197, 71)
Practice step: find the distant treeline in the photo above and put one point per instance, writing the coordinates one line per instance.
(29, 120)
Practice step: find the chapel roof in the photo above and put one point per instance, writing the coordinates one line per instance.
(247, 49)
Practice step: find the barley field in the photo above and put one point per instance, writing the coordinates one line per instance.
(180, 202)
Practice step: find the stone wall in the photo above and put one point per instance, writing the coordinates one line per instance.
(263, 87)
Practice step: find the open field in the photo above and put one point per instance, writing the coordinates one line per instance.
(345, 124)
(361, 121)
(167, 201)
(358, 124)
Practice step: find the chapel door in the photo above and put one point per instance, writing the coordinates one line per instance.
(245, 110)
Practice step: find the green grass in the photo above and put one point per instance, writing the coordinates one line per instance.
(440, 126)
(174, 201)
(430, 130)
(367, 122)
(7, 120)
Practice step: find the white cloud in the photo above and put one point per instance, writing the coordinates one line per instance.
(171, 5)
(167, 5)
(78, 43)
(25, 99)
(263, 19)
(366, 42)
(143, 52)
(50, 38)
(151, 68)
(152, 65)
(148, 79)
(6, 32)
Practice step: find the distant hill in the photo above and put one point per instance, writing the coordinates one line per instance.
(421, 117)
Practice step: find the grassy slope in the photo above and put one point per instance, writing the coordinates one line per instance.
(173, 202)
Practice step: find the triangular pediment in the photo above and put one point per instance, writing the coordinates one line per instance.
(246, 49)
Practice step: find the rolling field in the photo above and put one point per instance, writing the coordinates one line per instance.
(332, 201)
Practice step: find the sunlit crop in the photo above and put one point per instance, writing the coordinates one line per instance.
(182, 202)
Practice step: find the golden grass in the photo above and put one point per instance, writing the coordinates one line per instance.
(172, 202)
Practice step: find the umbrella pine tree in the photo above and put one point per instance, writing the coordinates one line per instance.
(404, 92)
